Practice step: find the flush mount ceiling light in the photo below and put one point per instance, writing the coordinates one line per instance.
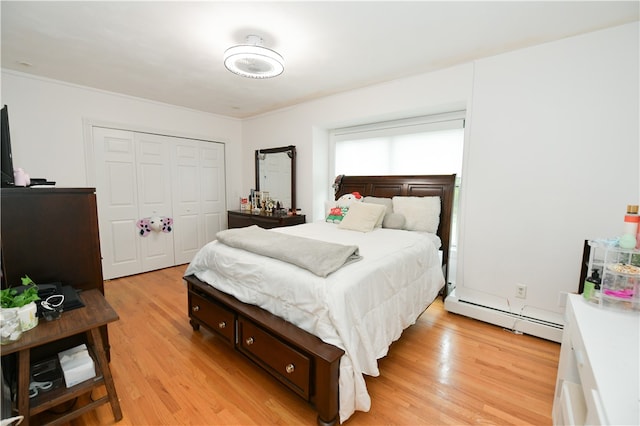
(253, 60)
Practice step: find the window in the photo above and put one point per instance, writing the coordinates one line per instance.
(420, 145)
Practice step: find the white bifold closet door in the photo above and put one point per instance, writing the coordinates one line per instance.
(142, 175)
(199, 201)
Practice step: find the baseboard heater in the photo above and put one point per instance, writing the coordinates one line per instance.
(517, 316)
(512, 321)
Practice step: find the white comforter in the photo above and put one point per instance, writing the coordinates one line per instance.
(361, 308)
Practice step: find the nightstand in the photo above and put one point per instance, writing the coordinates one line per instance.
(240, 219)
(88, 320)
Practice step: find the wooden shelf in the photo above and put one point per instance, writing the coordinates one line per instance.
(49, 399)
(88, 320)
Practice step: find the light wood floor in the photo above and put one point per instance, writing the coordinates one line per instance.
(445, 370)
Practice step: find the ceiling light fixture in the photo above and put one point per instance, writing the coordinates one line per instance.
(253, 60)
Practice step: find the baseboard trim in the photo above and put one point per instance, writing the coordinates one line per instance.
(511, 321)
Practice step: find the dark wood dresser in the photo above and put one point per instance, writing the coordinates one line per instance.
(240, 219)
(51, 234)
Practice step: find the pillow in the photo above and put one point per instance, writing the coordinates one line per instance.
(393, 221)
(333, 213)
(362, 217)
(420, 213)
(383, 201)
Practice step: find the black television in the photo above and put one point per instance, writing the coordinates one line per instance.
(6, 160)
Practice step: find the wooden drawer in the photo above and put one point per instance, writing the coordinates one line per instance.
(238, 219)
(283, 361)
(214, 316)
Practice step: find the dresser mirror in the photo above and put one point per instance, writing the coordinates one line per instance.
(276, 174)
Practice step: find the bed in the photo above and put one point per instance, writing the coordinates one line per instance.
(319, 335)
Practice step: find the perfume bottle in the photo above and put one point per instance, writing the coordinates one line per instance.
(592, 287)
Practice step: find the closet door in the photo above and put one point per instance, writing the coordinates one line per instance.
(198, 195)
(117, 199)
(132, 182)
(153, 169)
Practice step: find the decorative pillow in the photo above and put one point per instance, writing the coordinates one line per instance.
(336, 214)
(393, 221)
(335, 211)
(421, 213)
(362, 217)
(382, 201)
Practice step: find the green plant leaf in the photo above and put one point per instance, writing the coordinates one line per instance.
(9, 297)
(27, 281)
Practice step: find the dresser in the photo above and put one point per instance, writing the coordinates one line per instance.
(599, 366)
(240, 219)
(51, 234)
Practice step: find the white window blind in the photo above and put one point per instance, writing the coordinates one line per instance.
(419, 145)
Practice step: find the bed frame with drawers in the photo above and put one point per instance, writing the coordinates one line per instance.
(299, 360)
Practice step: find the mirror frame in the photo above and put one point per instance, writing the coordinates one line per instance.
(291, 152)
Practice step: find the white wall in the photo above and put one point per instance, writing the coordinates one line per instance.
(553, 160)
(552, 157)
(47, 131)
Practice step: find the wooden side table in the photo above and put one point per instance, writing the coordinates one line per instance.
(96, 313)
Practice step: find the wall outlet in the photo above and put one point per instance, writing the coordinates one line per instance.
(521, 291)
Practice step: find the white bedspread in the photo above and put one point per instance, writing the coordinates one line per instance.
(361, 308)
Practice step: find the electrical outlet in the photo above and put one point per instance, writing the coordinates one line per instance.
(521, 291)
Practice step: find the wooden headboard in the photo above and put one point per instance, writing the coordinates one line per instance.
(418, 186)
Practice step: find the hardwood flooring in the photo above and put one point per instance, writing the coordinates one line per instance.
(445, 370)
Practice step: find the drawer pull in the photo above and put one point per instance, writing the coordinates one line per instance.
(196, 308)
(249, 341)
(222, 324)
(290, 368)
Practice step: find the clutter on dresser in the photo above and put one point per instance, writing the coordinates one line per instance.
(260, 202)
(613, 276)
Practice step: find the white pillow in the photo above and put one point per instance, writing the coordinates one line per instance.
(362, 217)
(421, 213)
(385, 202)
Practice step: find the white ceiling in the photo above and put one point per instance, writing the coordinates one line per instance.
(172, 51)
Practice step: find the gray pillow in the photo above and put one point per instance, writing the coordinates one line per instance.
(393, 221)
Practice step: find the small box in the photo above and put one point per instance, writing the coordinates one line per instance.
(77, 365)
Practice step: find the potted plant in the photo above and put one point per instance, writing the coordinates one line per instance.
(9, 297)
(21, 304)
